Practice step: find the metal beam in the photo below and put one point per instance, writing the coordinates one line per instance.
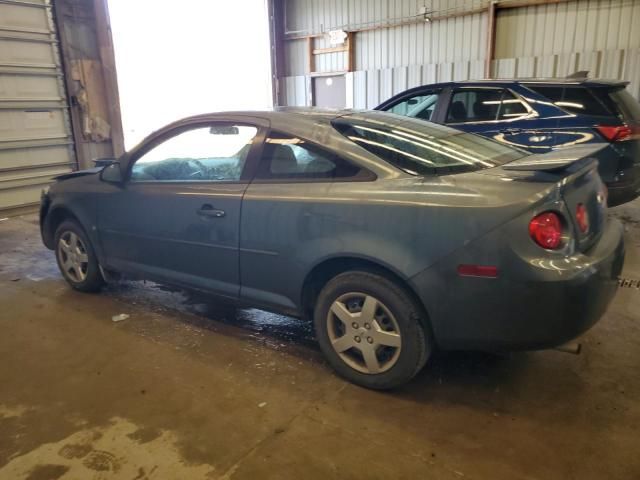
(507, 4)
(275, 12)
(418, 19)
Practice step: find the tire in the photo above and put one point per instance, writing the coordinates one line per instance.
(392, 331)
(76, 258)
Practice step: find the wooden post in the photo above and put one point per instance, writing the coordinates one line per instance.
(311, 64)
(491, 38)
(351, 58)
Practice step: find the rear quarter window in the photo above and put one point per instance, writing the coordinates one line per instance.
(419, 149)
(573, 99)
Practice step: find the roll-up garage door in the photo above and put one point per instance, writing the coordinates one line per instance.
(35, 133)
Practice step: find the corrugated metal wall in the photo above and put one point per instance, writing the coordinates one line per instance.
(35, 133)
(543, 40)
(600, 36)
(579, 26)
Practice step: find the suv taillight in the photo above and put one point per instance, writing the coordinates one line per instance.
(546, 230)
(582, 217)
(619, 133)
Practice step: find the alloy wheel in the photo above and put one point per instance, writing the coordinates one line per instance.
(72, 256)
(364, 333)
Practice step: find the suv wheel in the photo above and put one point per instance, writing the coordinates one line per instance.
(76, 259)
(371, 330)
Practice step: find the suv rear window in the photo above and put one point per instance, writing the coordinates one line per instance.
(420, 148)
(620, 101)
(573, 99)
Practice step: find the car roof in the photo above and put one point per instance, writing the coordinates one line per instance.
(539, 80)
(277, 115)
(304, 121)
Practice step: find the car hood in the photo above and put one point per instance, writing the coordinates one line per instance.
(79, 173)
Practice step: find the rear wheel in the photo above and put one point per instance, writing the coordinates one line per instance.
(76, 258)
(371, 330)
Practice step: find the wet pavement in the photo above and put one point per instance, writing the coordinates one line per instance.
(186, 387)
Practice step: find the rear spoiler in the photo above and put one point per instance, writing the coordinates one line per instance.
(557, 159)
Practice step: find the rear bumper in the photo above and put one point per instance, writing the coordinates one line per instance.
(545, 304)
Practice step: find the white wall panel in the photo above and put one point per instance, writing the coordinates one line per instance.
(578, 26)
(601, 36)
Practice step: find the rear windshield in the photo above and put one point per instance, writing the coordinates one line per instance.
(421, 148)
(574, 99)
(602, 101)
(625, 104)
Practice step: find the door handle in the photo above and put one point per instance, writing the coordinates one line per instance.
(210, 212)
(511, 131)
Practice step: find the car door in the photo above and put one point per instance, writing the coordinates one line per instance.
(287, 216)
(502, 115)
(176, 216)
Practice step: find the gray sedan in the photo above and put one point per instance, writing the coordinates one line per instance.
(393, 235)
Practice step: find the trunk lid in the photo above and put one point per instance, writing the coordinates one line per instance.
(574, 171)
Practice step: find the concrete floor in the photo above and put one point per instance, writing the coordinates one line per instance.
(187, 389)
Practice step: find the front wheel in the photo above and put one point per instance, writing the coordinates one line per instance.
(371, 330)
(76, 258)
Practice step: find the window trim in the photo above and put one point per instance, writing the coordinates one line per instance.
(530, 111)
(364, 175)
(245, 176)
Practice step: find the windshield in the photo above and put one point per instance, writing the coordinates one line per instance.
(422, 148)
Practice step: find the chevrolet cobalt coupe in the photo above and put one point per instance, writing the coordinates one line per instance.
(394, 235)
(540, 115)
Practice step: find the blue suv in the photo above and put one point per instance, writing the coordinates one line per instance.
(540, 115)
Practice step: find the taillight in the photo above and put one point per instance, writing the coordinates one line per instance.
(546, 230)
(619, 133)
(582, 217)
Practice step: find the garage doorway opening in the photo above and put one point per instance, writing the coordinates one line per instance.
(176, 59)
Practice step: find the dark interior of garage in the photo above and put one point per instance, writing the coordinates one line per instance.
(283, 239)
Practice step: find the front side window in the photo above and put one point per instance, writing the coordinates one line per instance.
(419, 106)
(421, 148)
(215, 153)
(288, 157)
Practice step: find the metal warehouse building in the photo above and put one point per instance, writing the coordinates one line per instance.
(395, 45)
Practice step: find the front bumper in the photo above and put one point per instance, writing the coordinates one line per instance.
(545, 304)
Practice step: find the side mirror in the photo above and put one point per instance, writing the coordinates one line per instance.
(111, 173)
